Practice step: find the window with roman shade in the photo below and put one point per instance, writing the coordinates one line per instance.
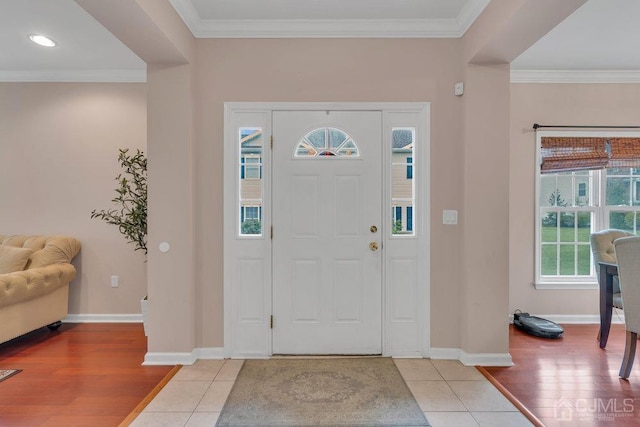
(587, 181)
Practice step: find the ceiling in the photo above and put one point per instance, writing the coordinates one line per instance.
(598, 42)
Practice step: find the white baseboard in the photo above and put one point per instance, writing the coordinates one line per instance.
(485, 359)
(472, 359)
(103, 318)
(215, 353)
(162, 358)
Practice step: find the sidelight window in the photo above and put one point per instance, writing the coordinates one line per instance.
(251, 185)
(402, 184)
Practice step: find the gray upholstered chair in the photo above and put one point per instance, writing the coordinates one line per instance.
(603, 250)
(628, 257)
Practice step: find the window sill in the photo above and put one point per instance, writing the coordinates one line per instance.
(567, 285)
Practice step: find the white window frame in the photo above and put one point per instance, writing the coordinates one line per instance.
(600, 217)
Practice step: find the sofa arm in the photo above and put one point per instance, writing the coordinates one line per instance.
(24, 285)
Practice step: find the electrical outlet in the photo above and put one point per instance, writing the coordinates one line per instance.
(115, 281)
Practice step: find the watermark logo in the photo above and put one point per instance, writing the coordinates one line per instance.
(598, 409)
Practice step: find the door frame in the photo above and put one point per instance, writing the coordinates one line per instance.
(247, 332)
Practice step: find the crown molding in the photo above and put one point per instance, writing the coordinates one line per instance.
(82, 76)
(469, 14)
(575, 76)
(329, 28)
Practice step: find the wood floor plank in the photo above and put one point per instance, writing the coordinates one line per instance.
(80, 375)
(571, 381)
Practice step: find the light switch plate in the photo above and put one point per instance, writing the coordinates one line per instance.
(449, 217)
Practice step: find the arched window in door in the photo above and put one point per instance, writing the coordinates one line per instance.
(326, 142)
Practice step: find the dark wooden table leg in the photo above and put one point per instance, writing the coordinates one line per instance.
(606, 304)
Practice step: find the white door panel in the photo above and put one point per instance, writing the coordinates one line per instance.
(326, 280)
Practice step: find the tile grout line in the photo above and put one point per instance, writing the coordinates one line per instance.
(208, 388)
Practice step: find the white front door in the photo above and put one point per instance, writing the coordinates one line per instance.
(327, 232)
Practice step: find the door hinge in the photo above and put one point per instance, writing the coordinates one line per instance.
(271, 322)
(271, 141)
(271, 233)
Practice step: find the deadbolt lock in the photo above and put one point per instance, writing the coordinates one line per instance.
(373, 228)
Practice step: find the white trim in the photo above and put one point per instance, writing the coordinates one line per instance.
(468, 15)
(188, 14)
(82, 76)
(485, 359)
(315, 106)
(472, 359)
(329, 28)
(103, 318)
(231, 111)
(575, 76)
(204, 353)
(152, 358)
(566, 285)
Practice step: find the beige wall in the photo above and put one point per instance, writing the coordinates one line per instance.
(560, 104)
(58, 160)
(330, 70)
(188, 82)
(485, 219)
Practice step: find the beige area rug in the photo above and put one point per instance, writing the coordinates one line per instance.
(321, 392)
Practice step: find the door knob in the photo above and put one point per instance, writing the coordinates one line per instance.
(373, 246)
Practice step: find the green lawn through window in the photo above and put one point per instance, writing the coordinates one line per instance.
(568, 251)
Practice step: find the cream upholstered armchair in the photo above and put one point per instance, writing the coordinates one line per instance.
(628, 257)
(603, 250)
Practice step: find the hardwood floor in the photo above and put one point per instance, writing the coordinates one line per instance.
(91, 375)
(80, 375)
(571, 381)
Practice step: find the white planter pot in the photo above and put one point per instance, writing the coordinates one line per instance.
(143, 306)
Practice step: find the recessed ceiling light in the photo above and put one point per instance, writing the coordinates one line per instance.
(42, 40)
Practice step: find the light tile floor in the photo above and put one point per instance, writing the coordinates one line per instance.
(449, 393)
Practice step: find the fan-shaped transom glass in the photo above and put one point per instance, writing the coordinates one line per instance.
(327, 141)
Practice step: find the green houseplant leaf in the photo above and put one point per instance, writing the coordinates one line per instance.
(130, 214)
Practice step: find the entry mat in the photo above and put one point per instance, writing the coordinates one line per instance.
(321, 392)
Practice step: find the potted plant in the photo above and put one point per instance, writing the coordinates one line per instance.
(130, 214)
